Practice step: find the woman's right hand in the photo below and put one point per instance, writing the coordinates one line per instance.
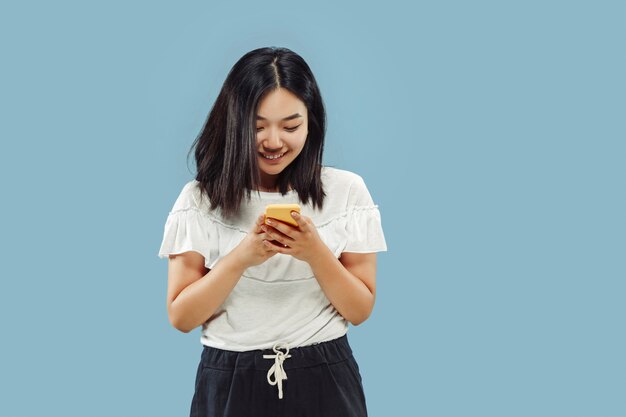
(251, 250)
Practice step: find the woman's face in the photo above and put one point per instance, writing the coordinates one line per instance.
(281, 130)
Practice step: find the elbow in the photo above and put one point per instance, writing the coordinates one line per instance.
(359, 320)
(179, 326)
(175, 320)
(355, 321)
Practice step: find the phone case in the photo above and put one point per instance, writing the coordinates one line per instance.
(282, 212)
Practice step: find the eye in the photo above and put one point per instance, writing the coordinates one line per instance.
(292, 129)
(288, 129)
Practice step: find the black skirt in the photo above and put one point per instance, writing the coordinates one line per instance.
(317, 380)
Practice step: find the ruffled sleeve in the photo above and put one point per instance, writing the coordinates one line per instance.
(188, 229)
(363, 224)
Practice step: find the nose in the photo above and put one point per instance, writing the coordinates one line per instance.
(273, 140)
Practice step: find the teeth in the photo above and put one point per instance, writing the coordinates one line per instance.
(272, 157)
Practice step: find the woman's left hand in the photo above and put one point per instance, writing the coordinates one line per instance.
(302, 242)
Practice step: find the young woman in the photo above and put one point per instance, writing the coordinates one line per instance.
(274, 300)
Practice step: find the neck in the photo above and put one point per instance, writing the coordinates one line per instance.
(267, 189)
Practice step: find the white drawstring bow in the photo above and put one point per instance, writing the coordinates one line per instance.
(277, 369)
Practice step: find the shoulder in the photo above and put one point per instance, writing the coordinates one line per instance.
(340, 177)
(189, 196)
(347, 183)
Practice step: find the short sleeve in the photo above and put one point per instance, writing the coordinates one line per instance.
(187, 228)
(363, 225)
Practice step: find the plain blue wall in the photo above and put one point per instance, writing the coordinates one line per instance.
(491, 134)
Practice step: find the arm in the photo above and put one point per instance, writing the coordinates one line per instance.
(195, 292)
(349, 282)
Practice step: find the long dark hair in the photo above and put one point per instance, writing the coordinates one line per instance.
(226, 150)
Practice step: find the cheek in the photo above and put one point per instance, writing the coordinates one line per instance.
(298, 143)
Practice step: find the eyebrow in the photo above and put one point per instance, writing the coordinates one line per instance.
(293, 116)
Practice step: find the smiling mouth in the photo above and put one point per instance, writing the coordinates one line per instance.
(272, 157)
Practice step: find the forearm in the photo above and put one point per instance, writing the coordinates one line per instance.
(346, 292)
(198, 301)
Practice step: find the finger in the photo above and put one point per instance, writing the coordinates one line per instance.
(266, 238)
(285, 229)
(301, 220)
(277, 236)
(267, 246)
(276, 248)
(259, 222)
(272, 239)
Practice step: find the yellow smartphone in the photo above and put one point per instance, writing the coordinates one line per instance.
(282, 212)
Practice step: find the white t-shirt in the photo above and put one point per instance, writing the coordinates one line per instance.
(279, 300)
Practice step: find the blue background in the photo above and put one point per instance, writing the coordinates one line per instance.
(491, 134)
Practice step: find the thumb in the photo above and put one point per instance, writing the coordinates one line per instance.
(259, 222)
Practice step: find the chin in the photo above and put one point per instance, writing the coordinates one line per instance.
(272, 170)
